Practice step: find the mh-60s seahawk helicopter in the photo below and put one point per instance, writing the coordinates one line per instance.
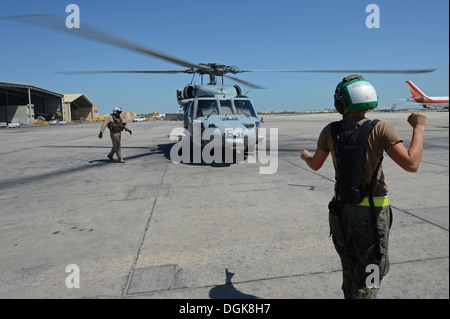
(219, 112)
(220, 108)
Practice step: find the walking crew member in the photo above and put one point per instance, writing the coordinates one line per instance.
(115, 126)
(359, 213)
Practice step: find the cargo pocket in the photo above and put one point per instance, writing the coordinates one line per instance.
(337, 229)
(384, 223)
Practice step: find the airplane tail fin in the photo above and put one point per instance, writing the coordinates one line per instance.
(415, 91)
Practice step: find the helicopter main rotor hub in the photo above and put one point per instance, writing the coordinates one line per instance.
(214, 69)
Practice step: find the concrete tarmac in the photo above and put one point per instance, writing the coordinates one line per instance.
(151, 228)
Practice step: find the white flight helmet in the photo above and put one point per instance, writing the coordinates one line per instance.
(117, 110)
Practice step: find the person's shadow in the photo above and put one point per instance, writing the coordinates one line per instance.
(228, 291)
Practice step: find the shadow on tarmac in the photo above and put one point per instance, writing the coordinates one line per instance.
(166, 148)
(40, 177)
(228, 291)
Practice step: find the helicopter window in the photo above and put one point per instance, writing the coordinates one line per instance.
(207, 108)
(188, 114)
(190, 109)
(225, 107)
(244, 107)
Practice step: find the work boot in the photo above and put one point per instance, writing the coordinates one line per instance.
(121, 160)
(110, 158)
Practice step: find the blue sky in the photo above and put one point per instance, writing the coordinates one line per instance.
(251, 34)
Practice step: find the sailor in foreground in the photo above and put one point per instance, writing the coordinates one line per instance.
(115, 125)
(360, 216)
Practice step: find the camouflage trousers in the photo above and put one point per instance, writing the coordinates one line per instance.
(354, 237)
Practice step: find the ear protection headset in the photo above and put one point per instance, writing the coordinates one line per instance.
(341, 96)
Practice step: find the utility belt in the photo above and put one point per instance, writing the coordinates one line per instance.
(378, 201)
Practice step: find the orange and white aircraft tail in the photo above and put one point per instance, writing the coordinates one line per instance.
(426, 101)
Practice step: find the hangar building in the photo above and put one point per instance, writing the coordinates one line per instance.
(22, 103)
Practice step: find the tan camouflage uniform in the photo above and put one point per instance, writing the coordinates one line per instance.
(115, 128)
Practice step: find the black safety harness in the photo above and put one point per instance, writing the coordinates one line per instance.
(350, 148)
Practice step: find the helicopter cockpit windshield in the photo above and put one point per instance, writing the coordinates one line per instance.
(207, 108)
(225, 107)
(244, 107)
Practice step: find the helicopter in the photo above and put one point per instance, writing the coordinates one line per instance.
(222, 111)
(219, 112)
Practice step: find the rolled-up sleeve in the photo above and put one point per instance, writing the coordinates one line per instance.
(324, 139)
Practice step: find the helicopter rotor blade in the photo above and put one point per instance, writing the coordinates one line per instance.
(413, 71)
(58, 23)
(251, 85)
(123, 71)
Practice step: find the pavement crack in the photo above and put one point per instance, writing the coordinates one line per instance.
(141, 242)
(415, 216)
(308, 170)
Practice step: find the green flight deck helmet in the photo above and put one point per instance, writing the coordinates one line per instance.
(354, 93)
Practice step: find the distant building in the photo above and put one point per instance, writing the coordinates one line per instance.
(22, 103)
(128, 115)
(78, 108)
(174, 116)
